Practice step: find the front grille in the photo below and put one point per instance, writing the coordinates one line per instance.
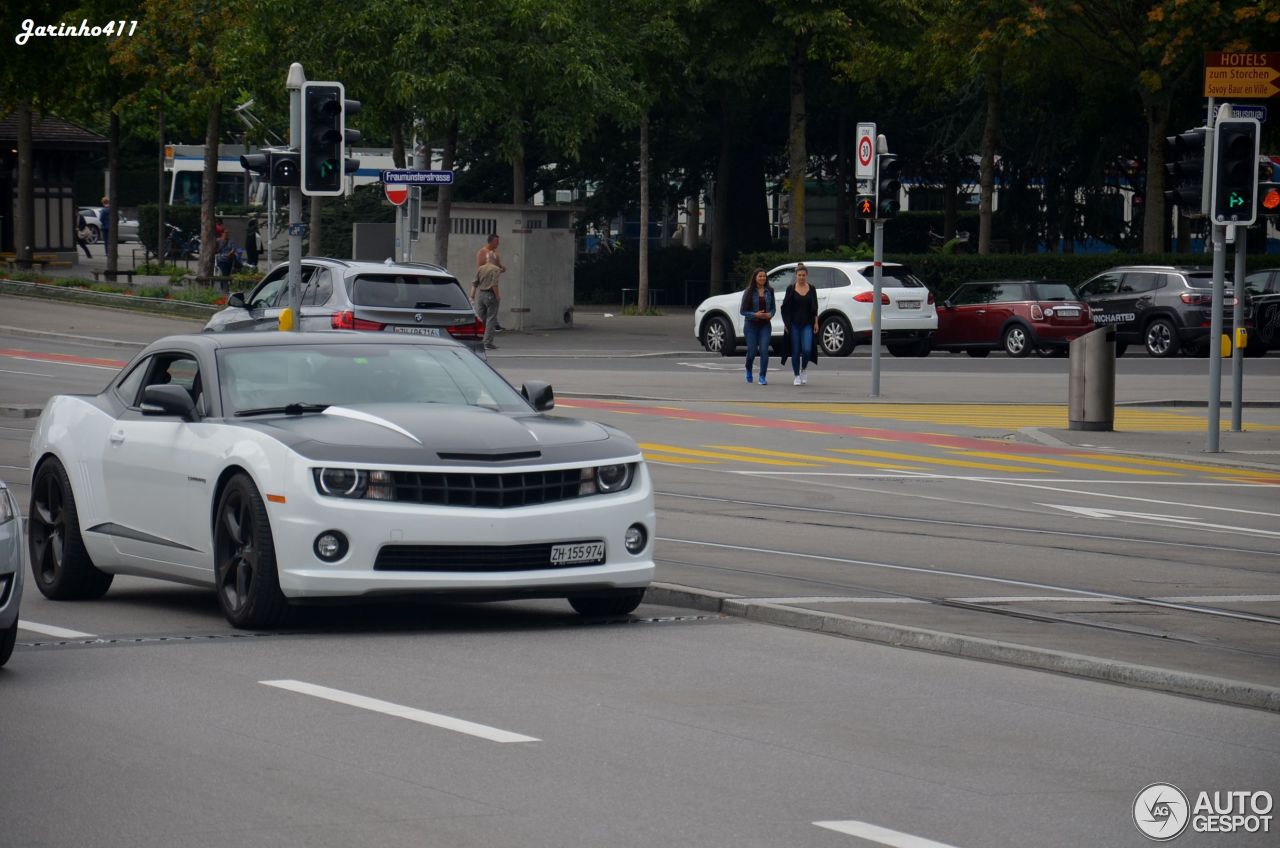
(495, 491)
(468, 558)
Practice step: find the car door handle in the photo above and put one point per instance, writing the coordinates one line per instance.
(117, 437)
(981, 312)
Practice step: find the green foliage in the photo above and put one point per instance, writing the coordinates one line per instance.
(367, 204)
(154, 291)
(673, 271)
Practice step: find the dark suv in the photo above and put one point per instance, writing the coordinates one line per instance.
(1264, 290)
(1164, 307)
(1018, 316)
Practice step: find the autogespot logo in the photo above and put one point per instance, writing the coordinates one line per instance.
(1160, 811)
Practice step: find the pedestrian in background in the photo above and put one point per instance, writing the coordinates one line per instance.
(485, 297)
(490, 249)
(104, 220)
(252, 244)
(800, 322)
(758, 306)
(82, 235)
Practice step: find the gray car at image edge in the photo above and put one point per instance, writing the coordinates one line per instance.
(11, 567)
(378, 297)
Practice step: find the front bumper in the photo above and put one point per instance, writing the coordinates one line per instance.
(370, 525)
(12, 563)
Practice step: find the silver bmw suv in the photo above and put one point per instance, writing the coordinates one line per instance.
(380, 297)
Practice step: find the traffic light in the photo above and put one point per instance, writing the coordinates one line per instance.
(1184, 156)
(325, 137)
(887, 185)
(1235, 171)
(273, 168)
(1268, 188)
(864, 208)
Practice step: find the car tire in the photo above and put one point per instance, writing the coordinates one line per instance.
(244, 558)
(1017, 341)
(60, 564)
(95, 234)
(619, 602)
(1161, 338)
(978, 352)
(7, 640)
(1120, 349)
(835, 337)
(718, 336)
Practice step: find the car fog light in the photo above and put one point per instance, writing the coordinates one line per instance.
(636, 538)
(331, 546)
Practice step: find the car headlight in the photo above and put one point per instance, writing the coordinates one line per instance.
(355, 483)
(6, 508)
(605, 479)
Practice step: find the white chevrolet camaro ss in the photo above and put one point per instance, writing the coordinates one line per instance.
(283, 467)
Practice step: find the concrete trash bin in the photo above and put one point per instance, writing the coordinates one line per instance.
(1092, 388)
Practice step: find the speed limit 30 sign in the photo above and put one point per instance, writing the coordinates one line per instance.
(866, 152)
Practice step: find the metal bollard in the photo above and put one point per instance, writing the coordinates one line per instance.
(1092, 388)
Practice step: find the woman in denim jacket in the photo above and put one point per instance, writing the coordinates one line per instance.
(758, 307)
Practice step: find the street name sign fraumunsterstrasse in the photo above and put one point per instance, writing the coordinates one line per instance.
(409, 176)
(1241, 76)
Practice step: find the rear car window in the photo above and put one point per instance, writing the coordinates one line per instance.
(898, 276)
(1200, 280)
(1054, 291)
(407, 291)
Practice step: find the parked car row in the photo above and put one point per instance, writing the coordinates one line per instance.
(1166, 309)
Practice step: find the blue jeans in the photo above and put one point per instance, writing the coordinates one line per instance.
(801, 346)
(757, 342)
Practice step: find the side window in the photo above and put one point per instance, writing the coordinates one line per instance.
(269, 290)
(318, 288)
(1101, 285)
(970, 295)
(1008, 293)
(826, 278)
(1137, 283)
(179, 369)
(779, 280)
(127, 389)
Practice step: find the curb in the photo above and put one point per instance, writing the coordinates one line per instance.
(972, 647)
(133, 303)
(1224, 458)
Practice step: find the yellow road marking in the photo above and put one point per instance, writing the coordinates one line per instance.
(1166, 463)
(1067, 463)
(661, 457)
(825, 459)
(938, 460)
(671, 449)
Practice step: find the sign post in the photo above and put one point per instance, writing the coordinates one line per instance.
(297, 78)
(396, 184)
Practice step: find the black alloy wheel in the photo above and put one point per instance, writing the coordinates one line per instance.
(245, 575)
(60, 564)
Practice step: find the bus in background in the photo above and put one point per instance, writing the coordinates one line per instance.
(237, 187)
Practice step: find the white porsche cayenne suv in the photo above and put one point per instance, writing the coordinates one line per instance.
(844, 309)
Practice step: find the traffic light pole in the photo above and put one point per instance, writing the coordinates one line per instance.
(877, 257)
(1237, 325)
(1215, 336)
(294, 84)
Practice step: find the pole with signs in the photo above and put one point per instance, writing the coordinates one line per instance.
(1215, 336)
(1238, 336)
(877, 261)
(297, 78)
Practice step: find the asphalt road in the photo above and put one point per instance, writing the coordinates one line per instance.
(695, 727)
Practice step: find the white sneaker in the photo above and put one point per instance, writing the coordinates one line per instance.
(796, 381)
(804, 378)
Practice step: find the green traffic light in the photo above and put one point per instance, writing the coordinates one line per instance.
(1234, 200)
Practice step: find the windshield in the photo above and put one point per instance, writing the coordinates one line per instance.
(408, 291)
(276, 377)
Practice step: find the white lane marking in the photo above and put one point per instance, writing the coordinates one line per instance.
(971, 479)
(1193, 507)
(458, 725)
(982, 578)
(882, 835)
(1019, 599)
(1105, 514)
(50, 630)
(32, 374)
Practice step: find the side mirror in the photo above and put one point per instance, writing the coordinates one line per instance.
(236, 300)
(168, 399)
(539, 394)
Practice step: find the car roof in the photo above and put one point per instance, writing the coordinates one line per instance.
(370, 266)
(858, 265)
(210, 342)
(1176, 268)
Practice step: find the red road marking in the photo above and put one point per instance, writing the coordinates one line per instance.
(934, 439)
(15, 353)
